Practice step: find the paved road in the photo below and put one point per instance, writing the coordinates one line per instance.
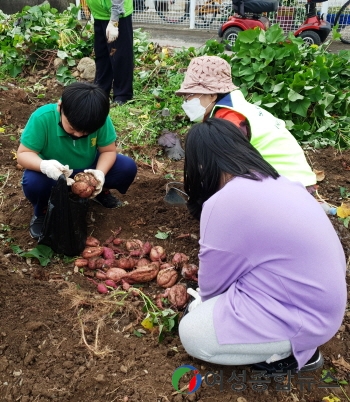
(171, 36)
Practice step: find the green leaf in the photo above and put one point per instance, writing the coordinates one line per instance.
(17, 250)
(267, 53)
(162, 235)
(62, 55)
(301, 107)
(41, 252)
(14, 70)
(278, 87)
(294, 96)
(137, 333)
(327, 99)
(346, 221)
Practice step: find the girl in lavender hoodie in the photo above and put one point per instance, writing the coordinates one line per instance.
(271, 266)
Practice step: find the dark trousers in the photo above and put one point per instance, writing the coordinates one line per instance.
(37, 186)
(115, 61)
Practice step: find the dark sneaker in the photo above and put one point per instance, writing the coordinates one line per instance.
(36, 226)
(290, 364)
(107, 200)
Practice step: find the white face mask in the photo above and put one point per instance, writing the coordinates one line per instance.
(194, 110)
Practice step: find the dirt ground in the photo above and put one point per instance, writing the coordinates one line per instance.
(60, 340)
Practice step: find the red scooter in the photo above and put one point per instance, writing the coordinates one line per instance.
(248, 15)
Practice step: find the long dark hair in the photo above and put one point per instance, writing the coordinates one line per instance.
(212, 148)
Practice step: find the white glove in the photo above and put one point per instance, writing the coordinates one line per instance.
(112, 32)
(70, 181)
(100, 177)
(53, 169)
(197, 299)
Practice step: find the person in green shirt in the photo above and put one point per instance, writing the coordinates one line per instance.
(113, 46)
(72, 136)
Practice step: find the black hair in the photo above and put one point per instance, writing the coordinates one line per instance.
(214, 147)
(221, 96)
(86, 106)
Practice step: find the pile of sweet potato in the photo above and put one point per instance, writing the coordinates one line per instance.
(124, 262)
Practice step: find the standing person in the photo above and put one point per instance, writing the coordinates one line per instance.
(113, 46)
(74, 136)
(208, 91)
(271, 267)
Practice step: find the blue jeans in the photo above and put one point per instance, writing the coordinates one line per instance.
(37, 186)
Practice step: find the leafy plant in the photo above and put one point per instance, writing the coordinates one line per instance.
(32, 34)
(41, 252)
(328, 377)
(303, 85)
(165, 320)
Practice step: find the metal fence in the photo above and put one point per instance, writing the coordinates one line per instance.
(210, 14)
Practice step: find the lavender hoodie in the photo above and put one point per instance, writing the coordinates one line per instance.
(272, 253)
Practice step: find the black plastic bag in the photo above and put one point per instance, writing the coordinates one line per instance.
(65, 226)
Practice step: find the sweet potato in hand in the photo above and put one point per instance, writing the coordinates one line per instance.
(84, 185)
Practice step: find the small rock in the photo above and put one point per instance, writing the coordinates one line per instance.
(123, 369)
(57, 63)
(100, 378)
(87, 68)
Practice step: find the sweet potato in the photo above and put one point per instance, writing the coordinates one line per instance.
(116, 274)
(93, 262)
(190, 272)
(89, 252)
(85, 184)
(100, 275)
(135, 253)
(118, 241)
(146, 248)
(110, 283)
(167, 277)
(157, 253)
(178, 296)
(126, 263)
(179, 259)
(92, 241)
(142, 262)
(108, 253)
(110, 263)
(133, 244)
(81, 262)
(142, 274)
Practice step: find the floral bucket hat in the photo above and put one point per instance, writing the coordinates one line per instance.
(207, 75)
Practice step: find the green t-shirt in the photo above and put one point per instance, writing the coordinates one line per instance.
(110, 9)
(43, 134)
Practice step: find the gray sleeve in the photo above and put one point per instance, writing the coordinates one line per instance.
(117, 9)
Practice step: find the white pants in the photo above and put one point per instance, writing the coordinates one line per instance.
(198, 337)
